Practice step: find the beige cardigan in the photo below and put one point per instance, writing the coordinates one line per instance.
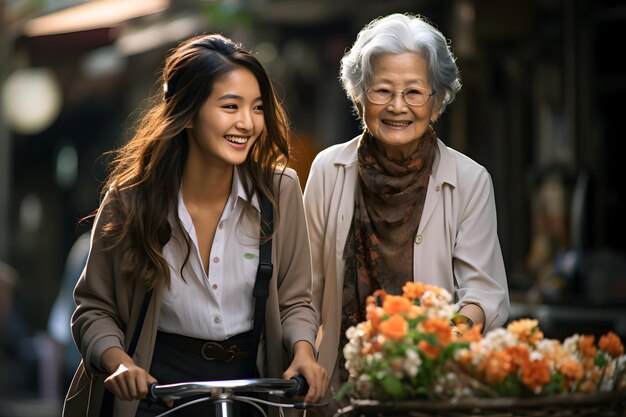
(107, 307)
(456, 246)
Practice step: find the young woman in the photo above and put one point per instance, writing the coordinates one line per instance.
(181, 217)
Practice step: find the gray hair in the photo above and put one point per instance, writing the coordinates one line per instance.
(394, 34)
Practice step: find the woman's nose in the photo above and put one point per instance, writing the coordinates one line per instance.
(245, 120)
(397, 102)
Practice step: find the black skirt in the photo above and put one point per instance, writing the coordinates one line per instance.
(183, 359)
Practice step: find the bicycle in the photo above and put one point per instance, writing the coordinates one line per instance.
(224, 393)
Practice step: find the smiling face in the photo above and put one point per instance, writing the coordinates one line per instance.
(396, 126)
(229, 121)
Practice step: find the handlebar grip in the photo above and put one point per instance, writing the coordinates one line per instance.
(301, 388)
(151, 392)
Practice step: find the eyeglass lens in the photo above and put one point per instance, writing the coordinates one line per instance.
(412, 96)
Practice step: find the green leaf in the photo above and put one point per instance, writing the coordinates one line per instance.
(601, 359)
(555, 385)
(431, 339)
(347, 386)
(510, 387)
(393, 387)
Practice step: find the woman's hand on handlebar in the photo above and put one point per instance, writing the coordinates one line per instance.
(304, 364)
(127, 381)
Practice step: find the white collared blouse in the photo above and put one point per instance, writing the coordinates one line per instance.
(217, 305)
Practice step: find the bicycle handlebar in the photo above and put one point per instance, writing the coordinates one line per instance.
(301, 388)
(284, 387)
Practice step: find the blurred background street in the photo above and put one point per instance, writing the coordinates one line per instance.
(541, 107)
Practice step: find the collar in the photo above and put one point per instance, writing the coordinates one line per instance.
(237, 193)
(348, 154)
(444, 166)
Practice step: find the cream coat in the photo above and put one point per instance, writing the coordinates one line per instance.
(107, 307)
(456, 246)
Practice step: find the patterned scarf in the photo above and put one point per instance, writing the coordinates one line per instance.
(387, 211)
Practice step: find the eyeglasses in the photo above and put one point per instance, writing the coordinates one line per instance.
(413, 96)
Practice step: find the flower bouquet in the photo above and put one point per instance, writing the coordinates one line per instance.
(408, 350)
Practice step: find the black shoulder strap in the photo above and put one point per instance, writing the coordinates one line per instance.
(140, 320)
(263, 275)
(106, 409)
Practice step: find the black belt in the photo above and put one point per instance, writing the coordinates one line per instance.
(225, 351)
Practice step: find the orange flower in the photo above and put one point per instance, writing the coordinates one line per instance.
(439, 328)
(587, 387)
(526, 330)
(428, 349)
(395, 304)
(611, 344)
(413, 290)
(395, 327)
(589, 363)
(590, 382)
(535, 374)
(519, 356)
(572, 370)
(497, 366)
(374, 315)
(378, 294)
(416, 311)
(473, 334)
(504, 360)
(586, 346)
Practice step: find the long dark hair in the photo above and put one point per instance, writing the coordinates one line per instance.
(145, 175)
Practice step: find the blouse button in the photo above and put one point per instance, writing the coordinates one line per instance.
(437, 188)
(217, 320)
(216, 259)
(221, 226)
(214, 286)
(418, 239)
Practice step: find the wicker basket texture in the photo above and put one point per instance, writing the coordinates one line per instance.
(608, 404)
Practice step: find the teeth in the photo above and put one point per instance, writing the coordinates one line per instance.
(236, 139)
(397, 123)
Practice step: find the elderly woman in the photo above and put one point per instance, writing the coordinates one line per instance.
(395, 204)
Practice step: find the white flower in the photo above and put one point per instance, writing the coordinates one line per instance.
(571, 344)
(411, 363)
(364, 385)
(351, 333)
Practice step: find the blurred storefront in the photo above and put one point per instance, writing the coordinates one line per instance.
(540, 108)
